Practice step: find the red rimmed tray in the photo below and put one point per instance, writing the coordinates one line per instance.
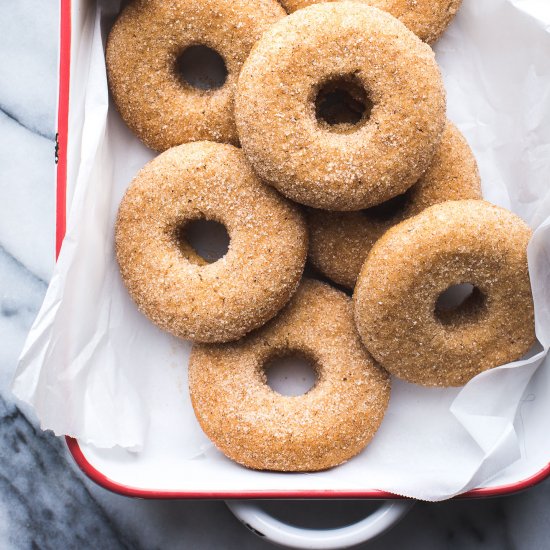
(106, 480)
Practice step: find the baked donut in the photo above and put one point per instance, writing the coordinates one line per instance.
(339, 242)
(144, 49)
(170, 283)
(264, 430)
(398, 311)
(305, 61)
(426, 18)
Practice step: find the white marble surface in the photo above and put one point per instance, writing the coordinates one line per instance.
(45, 502)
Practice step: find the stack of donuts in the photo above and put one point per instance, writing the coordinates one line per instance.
(326, 140)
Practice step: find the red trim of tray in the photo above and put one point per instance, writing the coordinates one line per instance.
(126, 490)
(63, 122)
(72, 444)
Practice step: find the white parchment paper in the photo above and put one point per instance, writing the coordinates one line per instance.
(94, 368)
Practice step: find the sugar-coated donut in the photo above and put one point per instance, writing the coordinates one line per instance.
(326, 49)
(340, 241)
(397, 310)
(175, 287)
(264, 430)
(142, 57)
(426, 18)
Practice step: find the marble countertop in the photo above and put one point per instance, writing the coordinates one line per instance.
(45, 501)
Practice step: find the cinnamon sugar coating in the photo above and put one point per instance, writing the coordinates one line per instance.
(142, 52)
(414, 262)
(426, 18)
(176, 288)
(264, 430)
(340, 166)
(340, 241)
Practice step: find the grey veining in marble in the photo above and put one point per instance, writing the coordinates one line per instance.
(45, 502)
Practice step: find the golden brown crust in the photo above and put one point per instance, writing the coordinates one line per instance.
(414, 262)
(340, 241)
(261, 429)
(426, 18)
(224, 300)
(142, 50)
(355, 167)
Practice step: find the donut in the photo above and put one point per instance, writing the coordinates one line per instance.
(170, 283)
(350, 50)
(264, 430)
(426, 18)
(397, 307)
(340, 241)
(145, 47)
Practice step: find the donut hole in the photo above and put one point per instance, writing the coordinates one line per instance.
(342, 104)
(203, 241)
(390, 209)
(460, 303)
(291, 373)
(201, 67)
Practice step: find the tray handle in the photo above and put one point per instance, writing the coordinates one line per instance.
(259, 522)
